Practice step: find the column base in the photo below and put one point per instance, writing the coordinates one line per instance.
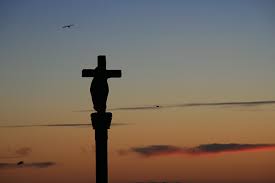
(101, 120)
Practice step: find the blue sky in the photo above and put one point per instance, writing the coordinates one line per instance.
(224, 48)
(232, 43)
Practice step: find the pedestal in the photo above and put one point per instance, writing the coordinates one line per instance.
(101, 123)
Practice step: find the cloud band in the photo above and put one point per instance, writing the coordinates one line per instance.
(203, 149)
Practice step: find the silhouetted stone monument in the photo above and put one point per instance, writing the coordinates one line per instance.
(101, 120)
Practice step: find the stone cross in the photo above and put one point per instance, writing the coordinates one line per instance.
(101, 120)
(99, 87)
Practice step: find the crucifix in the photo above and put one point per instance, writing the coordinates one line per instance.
(101, 120)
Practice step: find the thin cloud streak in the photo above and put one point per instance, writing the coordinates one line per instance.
(59, 125)
(240, 104)
(203, 149)
(247, 104)
(45, 164)
(213, 104)
(123, 108)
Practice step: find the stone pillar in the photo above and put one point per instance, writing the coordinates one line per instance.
(101, 123)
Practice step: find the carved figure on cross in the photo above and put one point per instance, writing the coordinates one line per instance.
(99, 87)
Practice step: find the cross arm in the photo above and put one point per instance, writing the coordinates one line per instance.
(114, 74)
(88, 73)
(109, 73)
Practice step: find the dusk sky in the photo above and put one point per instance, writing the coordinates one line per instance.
(209, 66)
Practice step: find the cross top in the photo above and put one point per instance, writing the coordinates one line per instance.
(101, 70)
(99, 86)
(101, 62)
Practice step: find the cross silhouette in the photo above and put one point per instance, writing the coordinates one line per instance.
(99, 86)
(101, 120)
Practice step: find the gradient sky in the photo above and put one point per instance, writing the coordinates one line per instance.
(170, 52)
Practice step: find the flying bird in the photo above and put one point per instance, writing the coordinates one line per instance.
(67, 26)
(20, 163)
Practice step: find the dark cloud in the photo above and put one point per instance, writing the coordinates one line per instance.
(232, 147)
(159, 182)
(157, 150)
(60, 125)
(45, 164)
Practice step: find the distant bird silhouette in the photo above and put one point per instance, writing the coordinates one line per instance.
(67, 26)
(20, 163)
